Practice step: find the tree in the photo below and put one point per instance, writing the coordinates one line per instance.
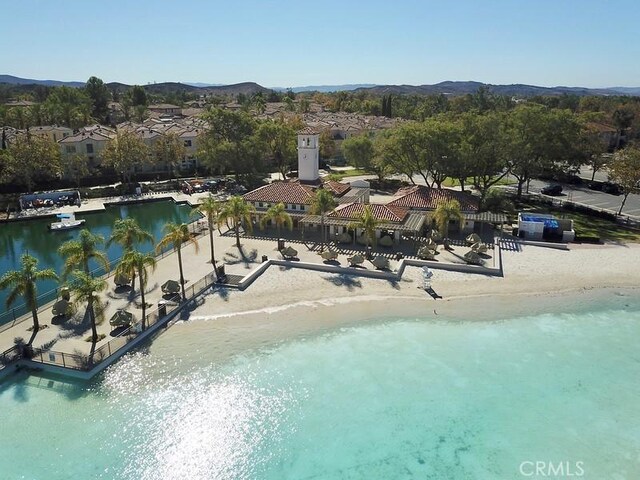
(622, 118)
(170, 149)
(323, 203)
(229, 142)
(33, 158)
(175, 236)
(211, 209)
(238, 211)
(87, 290)
(124, 153)
(358, 151)
(368, 223)
(279, 216)
(99, 95)
(278, 138)
(23, 282)
(78, 253)
(446, 212)
(624, 169)
(77, 166)
(326, 144)
(126, 232)
(138, 96)
(137, 263)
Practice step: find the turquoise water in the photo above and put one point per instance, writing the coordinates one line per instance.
(409, 398)
(32, 236)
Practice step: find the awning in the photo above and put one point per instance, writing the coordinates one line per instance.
(412, 223)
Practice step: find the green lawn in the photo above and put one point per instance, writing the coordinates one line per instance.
(348, 173)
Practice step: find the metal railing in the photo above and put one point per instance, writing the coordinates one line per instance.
(87, 362)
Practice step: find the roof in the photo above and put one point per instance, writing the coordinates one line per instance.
(308, 131)
(380, 212)
(426, 198)
(413, 222)
(285, 192)
(487, 217)
(163, 106)
(336, 188)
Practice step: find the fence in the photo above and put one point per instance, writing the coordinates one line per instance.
(88, 362)
(20, 314)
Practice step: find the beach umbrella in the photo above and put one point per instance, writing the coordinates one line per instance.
(473, 239)
(170, 286)
(121, 318)
(121, 280)
(61, 307)
(357, 259)
(289, 252)
(473, 258)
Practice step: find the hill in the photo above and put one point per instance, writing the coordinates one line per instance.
(10, 79)
(516, 90)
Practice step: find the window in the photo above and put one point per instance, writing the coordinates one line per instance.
(187, 143)
(89, 147)
(71, 149)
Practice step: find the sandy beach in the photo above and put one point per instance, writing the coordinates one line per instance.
(285, 304)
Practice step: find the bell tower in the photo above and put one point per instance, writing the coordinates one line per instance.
(308, 156)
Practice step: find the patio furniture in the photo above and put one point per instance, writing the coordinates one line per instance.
(473, 239)
(425, 253)
(356, 260)
(289, 253)
(121, 318)
(61, 308)
(473, 258)
(479, 247)
(122, 280)
(380, 263)
(329, 255)
(344, 238)
(170, 287)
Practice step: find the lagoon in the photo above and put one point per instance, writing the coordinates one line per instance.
(32, 236)
(394, 398)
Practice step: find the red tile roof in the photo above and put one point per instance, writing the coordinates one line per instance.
(379, 211)
(336, 188)
(308, 131)
(425, 198)
(285, 192)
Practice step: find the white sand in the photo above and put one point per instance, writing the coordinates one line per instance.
(284, 304)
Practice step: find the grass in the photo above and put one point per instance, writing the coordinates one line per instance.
(591, 226)
(337, 176)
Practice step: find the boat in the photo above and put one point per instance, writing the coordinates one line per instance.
(67, 222)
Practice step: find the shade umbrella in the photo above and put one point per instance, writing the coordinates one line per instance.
(289, 252)
(121, 318)
(473, 258)
(431, 244)
(380, 262)
(329, 255)
(473, 238)
(357, 259)
(170, 286)
(61, 307)
(121, 280)
(386, 241)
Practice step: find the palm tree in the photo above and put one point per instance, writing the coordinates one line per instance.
(323, 203)
(446, 212)
(211, 208)
(127, 233)
(86, 290)
(238, 211)
(279, 216)
(135, 263)
(368, 223)
(23, 282)
(79, 252)
(175, 236)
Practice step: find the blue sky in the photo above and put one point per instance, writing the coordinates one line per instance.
(283, 43)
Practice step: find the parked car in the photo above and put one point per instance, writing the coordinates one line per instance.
(595, 186)
(552, 190)
(612, 188)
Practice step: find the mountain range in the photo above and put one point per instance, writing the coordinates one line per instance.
(447, 88)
